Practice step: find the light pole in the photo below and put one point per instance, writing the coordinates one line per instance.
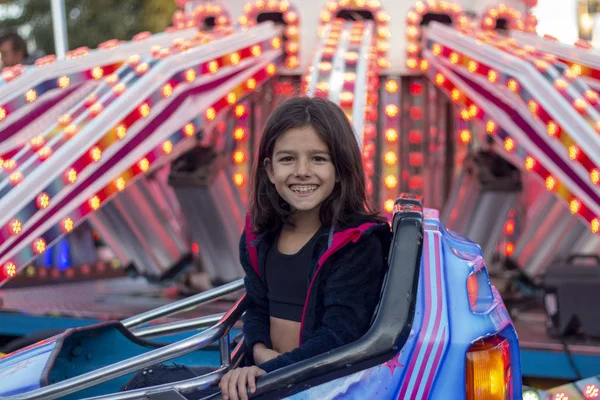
(59, 26)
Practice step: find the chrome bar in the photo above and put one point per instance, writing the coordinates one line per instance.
(136, 363)
(187, 386)
(185, 304)
(225, 350)
(178, 327)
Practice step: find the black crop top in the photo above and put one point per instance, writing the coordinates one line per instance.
(287, 280)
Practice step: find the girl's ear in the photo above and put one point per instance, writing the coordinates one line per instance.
(269, 167)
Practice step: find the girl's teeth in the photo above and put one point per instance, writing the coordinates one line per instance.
(304, 188)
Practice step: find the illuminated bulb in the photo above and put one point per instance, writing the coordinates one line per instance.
(44, 153)
(71, 175)
(552, 128)
(167, 90)
(64, 82)
(190, 75)
(134, 59)
(251, 83)
(509, 249)
(509, 144)
(238, 133)
(464, 114)
(561, 85)
(96, 154)
(473, 110)
(592, 96)
(573, 152)
(37, 142)
(211, 114)
(391, 86)
(213, 66)
(439, 79)
(391, 181)
(580, 105)
(239, 110)
(121, 131)
(94, 203)
(576, 68)
(30, 96)
(455, 94)
(238, 179)
(15, 227)
(391, 110)
(97, 73)
(9, 165)
(167, 147)
(541, 65)
(490, 127)
(144, 110)
(390, 158)
(454, 58)
(256, 50)
(436, 49)
(271, 69)
(412, 63)
(39, 246)
(529, 163)
(276, 43)
(2, 113)
(595, 176)
(513, 85)
(189, 129)
(15, 178)
(473, 66)
(391, 135)
(594, 227)
(142, 68)
(111, 79)
(96, 109)
(10, 269)
(120, 184)
(118, 89)
(574, 206)
(389, 205)
(64, 120)
(234, 58)
(238, 157)
(231, 98)
(42, 201)
(67, 225)
(550, 183)
(533, 107)
(492, 76)
(144, 164)
(465, 136)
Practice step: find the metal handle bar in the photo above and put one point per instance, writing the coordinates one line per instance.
(178, 327)
(133, 364)
(185, 386)
(185, 304)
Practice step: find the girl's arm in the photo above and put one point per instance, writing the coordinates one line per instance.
(256, 318)
(352, 292)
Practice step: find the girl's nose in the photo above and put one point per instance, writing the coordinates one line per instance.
(303, 168)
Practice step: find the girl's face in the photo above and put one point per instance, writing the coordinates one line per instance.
(301, 169)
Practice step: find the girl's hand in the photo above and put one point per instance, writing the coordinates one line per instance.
(235, 383)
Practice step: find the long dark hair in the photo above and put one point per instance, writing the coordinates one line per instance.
(348, 199)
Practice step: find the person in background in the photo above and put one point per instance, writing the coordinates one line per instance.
(13, 50)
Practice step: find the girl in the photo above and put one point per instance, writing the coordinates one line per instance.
(313, 252)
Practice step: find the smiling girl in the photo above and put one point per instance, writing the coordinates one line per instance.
(313, 252)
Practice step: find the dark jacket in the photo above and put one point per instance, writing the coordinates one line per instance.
(345, 280)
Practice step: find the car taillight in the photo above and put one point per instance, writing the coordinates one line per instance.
(489, 374)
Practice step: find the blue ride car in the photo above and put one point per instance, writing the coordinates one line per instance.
(440, 331)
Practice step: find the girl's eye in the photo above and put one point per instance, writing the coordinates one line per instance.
(320, 159)
(285, 159)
